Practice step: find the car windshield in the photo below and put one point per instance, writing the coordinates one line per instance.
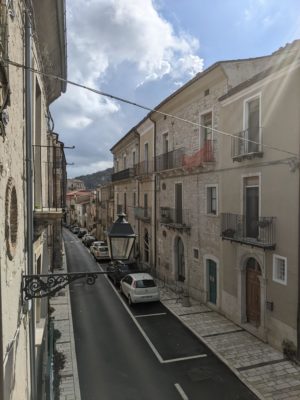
(103, 248)
(145, 283)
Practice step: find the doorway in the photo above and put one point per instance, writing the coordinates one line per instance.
(253, 272)
(212, 281)
(179, 260)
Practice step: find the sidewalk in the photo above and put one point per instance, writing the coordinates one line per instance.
(263, 369)
(62, 318)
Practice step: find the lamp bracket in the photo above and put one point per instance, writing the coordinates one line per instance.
(46, 285)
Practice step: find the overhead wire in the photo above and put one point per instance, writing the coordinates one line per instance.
(151, 110)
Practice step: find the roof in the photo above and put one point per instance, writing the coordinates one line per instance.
(200, 75)
(283, 62)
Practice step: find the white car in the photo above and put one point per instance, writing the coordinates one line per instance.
(101, 253)
(139, 288)
(95, 245)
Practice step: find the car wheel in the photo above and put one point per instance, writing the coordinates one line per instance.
(129, 300)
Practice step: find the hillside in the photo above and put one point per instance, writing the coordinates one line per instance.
(91, 181)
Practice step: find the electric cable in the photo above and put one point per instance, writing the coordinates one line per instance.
(151, 110)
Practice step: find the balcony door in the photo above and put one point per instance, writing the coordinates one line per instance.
(252, 211)
(252, 125)
(178, 203)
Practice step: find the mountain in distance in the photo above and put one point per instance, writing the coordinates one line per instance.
(91, 181)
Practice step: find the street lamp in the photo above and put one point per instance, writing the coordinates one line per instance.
(121, 239)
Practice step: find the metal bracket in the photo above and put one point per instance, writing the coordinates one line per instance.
(46, 285)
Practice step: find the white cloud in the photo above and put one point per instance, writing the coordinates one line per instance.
(117, 31)
(119, 45)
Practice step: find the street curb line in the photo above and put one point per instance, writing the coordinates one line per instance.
(236, 373)
(72, 340)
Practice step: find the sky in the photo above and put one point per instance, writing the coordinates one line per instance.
(143, 50)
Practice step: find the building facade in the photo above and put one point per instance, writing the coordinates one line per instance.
(209, 171)
(31, 204)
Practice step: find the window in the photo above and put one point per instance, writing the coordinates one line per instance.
(134, 199)
(133, 158)
(196, 253)
(11, 218)
(206, 125)
(212, 203)
(252, 126)
(124, 162)
(125, 203)
(280, 269)
(165, 143)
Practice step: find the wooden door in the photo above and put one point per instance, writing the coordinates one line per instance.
(253, 292)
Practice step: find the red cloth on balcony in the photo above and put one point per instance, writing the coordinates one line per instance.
(205, 154)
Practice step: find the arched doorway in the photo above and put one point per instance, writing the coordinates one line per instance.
(253, 272)
(179, 260)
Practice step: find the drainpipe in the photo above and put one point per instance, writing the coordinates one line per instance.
(298, 307)
(29, 187)
(155, 197)
(1, 343)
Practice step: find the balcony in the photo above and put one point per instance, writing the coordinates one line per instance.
(123, 175)
(142, 213)
(144, 168)
(204, 155)
(246, 145)
(44, 216)
(175, 218)
(172, 159)
(253, 232)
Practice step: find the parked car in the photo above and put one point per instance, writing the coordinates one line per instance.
(82, 232)
(139, 288)
(89, 240)
(117, 270)
(101, 253)
(97, 244)
(75, 229)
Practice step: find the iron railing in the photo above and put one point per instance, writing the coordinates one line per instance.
(122, 175)
(144, 168)
(170, 160)
(142, 213)
(174, 216)
(247, 143)
(258, 232)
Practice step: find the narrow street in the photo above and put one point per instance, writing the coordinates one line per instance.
(139, 353)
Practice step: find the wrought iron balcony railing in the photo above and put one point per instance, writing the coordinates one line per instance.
(247, 144)
(170, 160)
(142, 213)
(122, 175)
(254, 232)
(144, 168)
(177, 218)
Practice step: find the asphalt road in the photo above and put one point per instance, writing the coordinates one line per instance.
(138, 353)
